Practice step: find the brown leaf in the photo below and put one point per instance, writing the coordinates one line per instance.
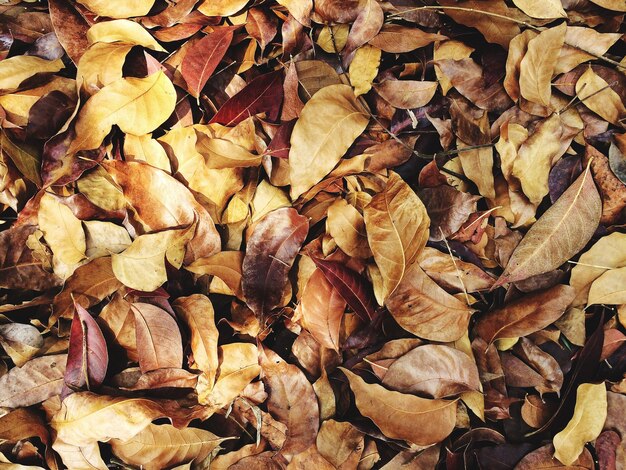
(542, 458)
(322, 308)
(159, 344)
(87, 357)
(38, 380)
(407, 94)
(448, 209)
(292, 401)
(201, 61)
(270, 253)
(396, 38)
(526, 314)
(433, 369)
(397, 229)
(402, 416)
(423, 308)
(544, 247)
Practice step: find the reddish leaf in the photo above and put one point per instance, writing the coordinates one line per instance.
(203, 58)
(351, 286)
(264, 94)
(270, 253)
(87, 357)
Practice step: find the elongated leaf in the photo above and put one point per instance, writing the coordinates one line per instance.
(328, 125)
(159, 344)
(270, 253)
(158, 447)
(264, 94)
(423, 308)
(396, 38)
(118, 9)
(397, 230)
(526, 315)
(440, 371)
(586, 423)
(201, 61)
(38, 380)
(561, 232)
(543, 458)
(403, 416)
(322, 309)
(87, 357)
(351, 286)
(548, 9)
(292, 401)
(538, 64)
(197, 312)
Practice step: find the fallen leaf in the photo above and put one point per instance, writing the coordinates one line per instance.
(87, 357)
(397, 230)
(585, 425)
(159, 446)
(407, 94)
(270, 253)
(329, 123)
(437, 370)
(544, 247)
(396, 38)
(158, 338)
(423, 308)
(118, 9)
(525, 315)
(597, 95)
(36, 381)
(543, 458)
(402, 416)
(537, 9)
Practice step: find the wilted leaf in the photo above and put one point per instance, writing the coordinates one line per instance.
(585, 425)
(87, 357)
(525, 315)
(548, 9)
(402, 416)
(363, 68)
(322, 308)
(543, 458)
(270, 253)
(158, 338)
(36, 381)
(397, 230)
(423, 308)
(328, 125)
(292, 401)
(437, 370)
(599, 97)
(544, 247)
(396, 38)
(118, 8)
(136, 105)
(407, 94)
(160, 446)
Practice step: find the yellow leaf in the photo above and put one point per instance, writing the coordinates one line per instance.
(14, 70)
(266, 199)
(222, 153)
(104, 238)
(118, 8)
(136, 105)
(544, 9)
(586, 423)
(599, 97)
(101, 65)
(609, 288)
(142, 265)
(158, 447)
(397, 229)
(325, 39)
(63, 232)
(239, 365)
(364, 68)
(328, 125)
(86, 457)
(221, 7)
(85, 417)
(607, 253)
(123, 31)
(147, 149)
(537, 66)
(347, 227)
